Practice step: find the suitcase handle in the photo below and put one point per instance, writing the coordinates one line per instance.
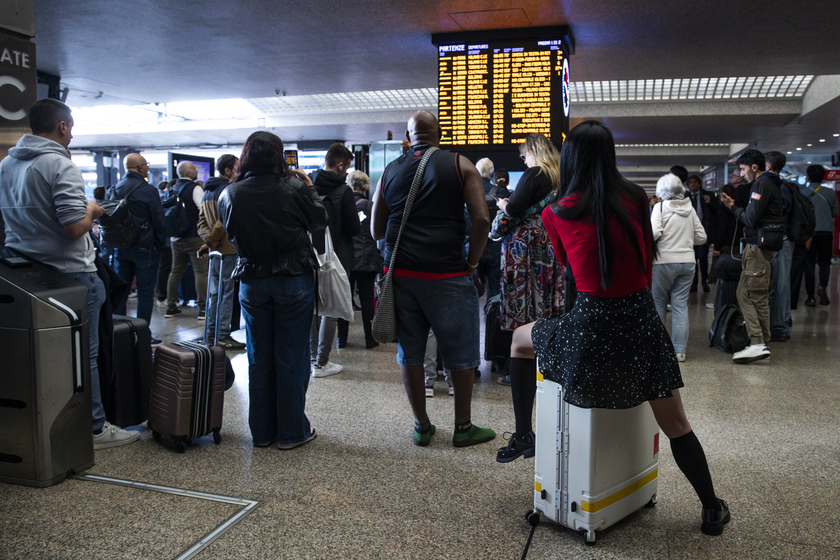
(219, 289)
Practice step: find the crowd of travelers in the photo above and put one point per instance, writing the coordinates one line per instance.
(584, 266)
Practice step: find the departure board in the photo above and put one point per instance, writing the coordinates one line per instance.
(493, 94)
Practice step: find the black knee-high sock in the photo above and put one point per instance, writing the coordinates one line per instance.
(690, 458)
(523, 385)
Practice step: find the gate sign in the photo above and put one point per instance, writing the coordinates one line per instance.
(18, 81)
(832, 175)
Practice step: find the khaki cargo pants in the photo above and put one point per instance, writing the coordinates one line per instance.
(754, 292)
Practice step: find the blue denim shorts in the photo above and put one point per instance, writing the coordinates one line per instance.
(450, 307)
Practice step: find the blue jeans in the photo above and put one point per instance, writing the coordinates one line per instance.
(450, 307)
(228, 263)
(671, 284)
(780, 291)
(142, 263)
(96, 297)
(278, 311)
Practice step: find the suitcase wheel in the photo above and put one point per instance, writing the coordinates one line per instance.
(155, 435)
(590, 537)
(180, 446)
(652, 501)
(217, 437)
(532, 517)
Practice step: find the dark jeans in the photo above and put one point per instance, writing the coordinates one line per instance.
(164, 268)
(364, 282)
(701, 253)
(278, 312)
(142, 263)
(490, 267)
(797, 271)
(818, 254)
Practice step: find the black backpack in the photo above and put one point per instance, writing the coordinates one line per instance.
(116, 226)
(175, 214)
(728, 332)
(801, 220)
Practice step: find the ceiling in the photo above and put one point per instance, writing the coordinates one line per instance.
(146, 51)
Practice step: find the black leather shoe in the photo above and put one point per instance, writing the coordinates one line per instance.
(810, 301)
(517, 446)
(706, 287)
(371, 344)
(714, 520)
(778, 338)
(340, 343)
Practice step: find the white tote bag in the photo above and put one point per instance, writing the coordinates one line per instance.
(334, 299)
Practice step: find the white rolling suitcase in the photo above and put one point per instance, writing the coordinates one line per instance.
(593, 466)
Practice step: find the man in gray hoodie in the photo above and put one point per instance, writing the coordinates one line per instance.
(42, 199)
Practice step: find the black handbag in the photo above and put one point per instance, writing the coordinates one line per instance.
(771, 234)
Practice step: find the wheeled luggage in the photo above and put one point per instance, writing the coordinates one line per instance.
(188, 387)
(46, 430)
(188, 391)
(496, 341)
(125, 396)
(593, 466)
(725, 294)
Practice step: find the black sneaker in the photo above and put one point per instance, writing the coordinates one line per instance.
(156, 341)
(714, 520)
(516, 447)
(200, 314)
(229, 343)
(823, 296)
(810, 302)
(171, 312)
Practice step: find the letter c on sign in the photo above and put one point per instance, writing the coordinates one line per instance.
(11, 81)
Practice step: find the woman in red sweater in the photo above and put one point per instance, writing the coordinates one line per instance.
(611, 350)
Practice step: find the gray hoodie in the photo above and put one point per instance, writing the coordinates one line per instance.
(41, 191)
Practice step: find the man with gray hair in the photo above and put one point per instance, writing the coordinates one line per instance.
(186, 244)
(489, 265)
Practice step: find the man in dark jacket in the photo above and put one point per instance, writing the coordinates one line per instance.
(213, 233)
(704, 205)
(141, 259)
(765, 207)
(340, 203)
(185, 246)
(489, 265)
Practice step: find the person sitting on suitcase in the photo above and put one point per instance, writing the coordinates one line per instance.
(42, 196)
(611, 350)
(268, 214)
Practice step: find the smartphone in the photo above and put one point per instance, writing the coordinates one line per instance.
(291, 158)
(205, 251)
(495, 196)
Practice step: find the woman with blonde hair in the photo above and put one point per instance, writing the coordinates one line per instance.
(532, 279)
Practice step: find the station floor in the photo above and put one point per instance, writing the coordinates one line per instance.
(362, 490)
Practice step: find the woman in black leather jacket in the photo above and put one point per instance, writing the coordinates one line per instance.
(267, 214)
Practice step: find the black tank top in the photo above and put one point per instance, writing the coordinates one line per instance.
(433, 239)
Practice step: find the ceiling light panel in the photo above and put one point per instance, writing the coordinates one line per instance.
(354, 101)
(690, 89)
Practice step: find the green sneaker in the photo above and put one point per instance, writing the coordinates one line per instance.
(423, 439)
(473, 436)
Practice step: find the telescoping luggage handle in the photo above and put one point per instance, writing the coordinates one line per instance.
(219, 290)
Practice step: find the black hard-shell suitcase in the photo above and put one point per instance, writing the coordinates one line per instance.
(125, 397)
(496, 341)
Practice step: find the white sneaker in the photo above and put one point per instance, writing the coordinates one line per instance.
(430, 392)
(668, 308)
(751, 354)
(326, 370)
(680, 356)
(710, 306)
(113, 436)
(451, 391)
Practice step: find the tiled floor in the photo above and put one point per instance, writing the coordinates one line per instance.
(362, 490)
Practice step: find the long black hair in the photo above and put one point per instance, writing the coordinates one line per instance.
(262, 150)
(588, 168)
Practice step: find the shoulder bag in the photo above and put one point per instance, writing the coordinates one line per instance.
(385, 318)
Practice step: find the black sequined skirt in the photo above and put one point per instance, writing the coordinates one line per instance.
(608, 352)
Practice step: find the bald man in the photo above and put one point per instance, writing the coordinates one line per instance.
(142, 258)
(185, 245)
(433, 285)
